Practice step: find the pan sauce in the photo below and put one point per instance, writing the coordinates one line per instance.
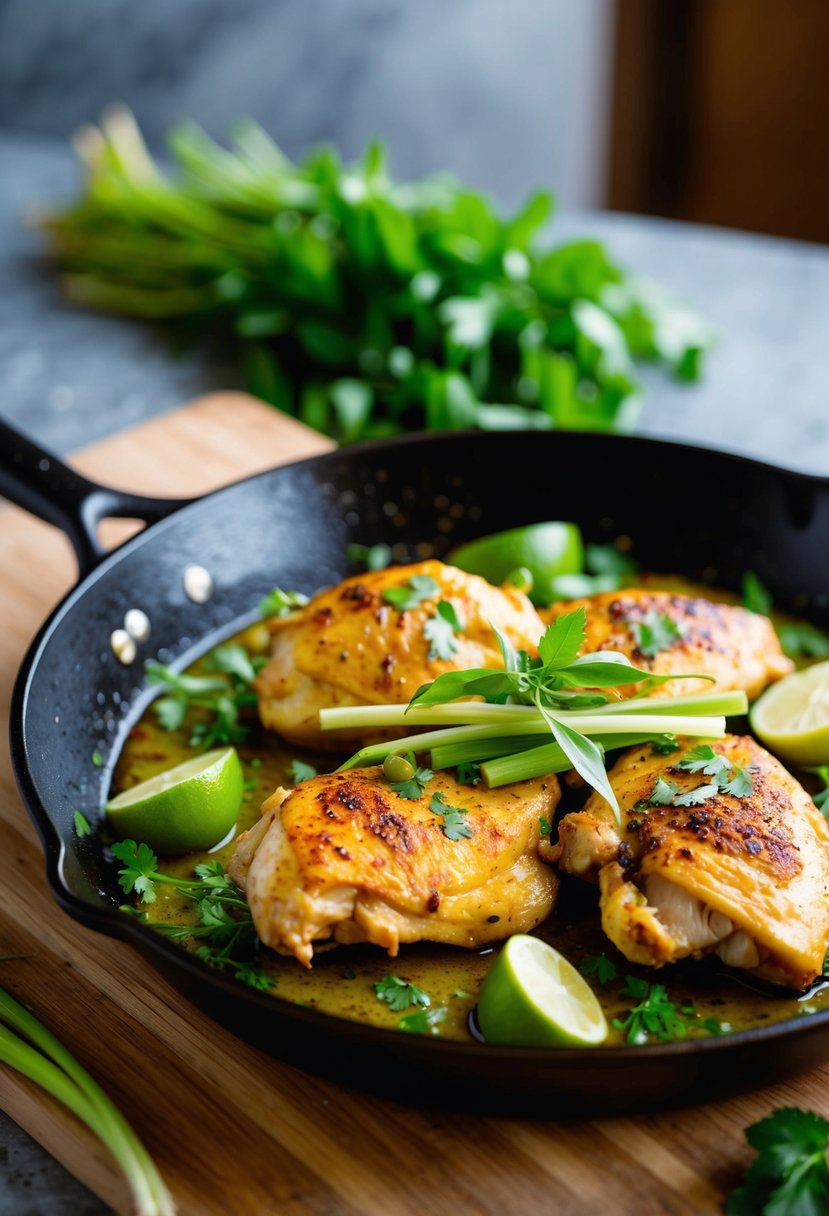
(341, 980)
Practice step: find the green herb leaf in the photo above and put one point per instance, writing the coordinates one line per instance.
(408, 595)
(400, 994)
(563, 639)
(300, 771)
(756, 597)
(97, 758)
(282, 603)
(664, 746)
(424, 1021)
(654, 633)
(82, 824)
(454, 825)
(600, 967)
(821, 798)
(663, 793)
(468, 773)
(544, 826)
(440, 629)
(801, 640)
(414, 787)
(740, 783)
(697, 796)
(140, 869)
(654, 1014)
(790, 1176)
(374, 557)
(703, 759)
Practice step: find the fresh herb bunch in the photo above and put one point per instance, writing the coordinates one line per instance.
(799, 639)
(222, 697)
(362, 306)
(225, 931)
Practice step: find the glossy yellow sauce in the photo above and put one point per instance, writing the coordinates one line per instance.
(342, 978)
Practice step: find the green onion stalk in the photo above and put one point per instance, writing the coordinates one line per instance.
(29, 1048)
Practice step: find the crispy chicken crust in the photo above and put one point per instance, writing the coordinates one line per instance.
(349, 647)
(738, 648)
(746, 877)
(345, 857)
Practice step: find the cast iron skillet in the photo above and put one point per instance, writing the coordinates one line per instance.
(705, 514)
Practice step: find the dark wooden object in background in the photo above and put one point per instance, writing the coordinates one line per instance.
(721, 113)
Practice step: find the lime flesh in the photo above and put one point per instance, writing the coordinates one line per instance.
(532, 997)
(546, 550)
(190, 807)
(792, 717)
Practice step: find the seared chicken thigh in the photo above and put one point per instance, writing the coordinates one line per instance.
(350, 646)
(663, 633)
(744, 876)
(347, 858)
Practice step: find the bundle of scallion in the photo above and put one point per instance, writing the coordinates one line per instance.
(558, 694)
(363, 306)
(29, 1048)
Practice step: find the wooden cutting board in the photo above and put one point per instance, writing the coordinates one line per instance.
(233, 1130)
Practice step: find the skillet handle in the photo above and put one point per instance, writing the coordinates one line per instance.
(40, 483)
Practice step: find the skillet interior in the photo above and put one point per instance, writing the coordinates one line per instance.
(706, 515)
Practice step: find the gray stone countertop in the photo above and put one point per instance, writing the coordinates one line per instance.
(69, 377)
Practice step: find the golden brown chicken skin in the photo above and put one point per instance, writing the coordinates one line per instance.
(738, 648)
(745, 877)
(344, 857)
(349, 646)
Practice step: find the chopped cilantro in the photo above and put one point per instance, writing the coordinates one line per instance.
(653, 1014)
(662, 793)
(741, 782)
(460, 994)
(300, 771)
(703, 759)
(440, 629)
(400, 994)
(756, 596)
(544, 826)
(697, 796)
(599, 966)
(82, 824)
(423, 1021)
(728, 777)
(654, 633)
(414, 787)
(281, 603)
(790, 1176)
(468, 773)
(454, 825)
(97, 758)
(664, 746)
(373, 557)
(407, 595)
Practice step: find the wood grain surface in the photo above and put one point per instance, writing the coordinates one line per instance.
(233, 1130)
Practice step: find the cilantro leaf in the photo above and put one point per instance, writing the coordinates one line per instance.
(408, 595)
(662, 793)
(454, 825)
(424, 1021)
(82, 824)
(281, 603)
(468, 773)
(400, 994)
(802, 640)
(223, 696)
(600, 966)
(440, 631)
(654, 633)
(374, 557)
(140, 869)
(653, 1014)
(790, 1176)
(414, 787)
(300, 771)
(697, 796)
(97, 758)
(232, 659)
(756, 596)
(741, 783)
(703, 759)
(544, 826)
(665, 745)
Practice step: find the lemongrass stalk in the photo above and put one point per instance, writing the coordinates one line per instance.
(539, 761)
(452, 754)
(457, 713)
(730, 704)
(49, 1064)
(650, 725)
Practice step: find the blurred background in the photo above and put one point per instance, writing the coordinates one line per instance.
(696, 110)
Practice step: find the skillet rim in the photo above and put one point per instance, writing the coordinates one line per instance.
(115, 924)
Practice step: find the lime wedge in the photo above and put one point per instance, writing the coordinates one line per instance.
(546, 550)
(532, 997)
(192, 806)
(792, 716)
